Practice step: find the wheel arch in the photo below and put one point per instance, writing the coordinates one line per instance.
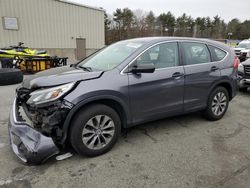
(227, 85)
(111, 101)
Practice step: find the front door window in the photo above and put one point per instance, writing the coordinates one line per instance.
(162, 56)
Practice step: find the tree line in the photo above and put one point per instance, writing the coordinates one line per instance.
(125, 23)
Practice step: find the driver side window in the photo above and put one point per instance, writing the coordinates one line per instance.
(162, 56)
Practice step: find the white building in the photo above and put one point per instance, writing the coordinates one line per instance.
(63, 28)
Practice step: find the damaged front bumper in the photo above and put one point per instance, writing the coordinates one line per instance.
(28, 144)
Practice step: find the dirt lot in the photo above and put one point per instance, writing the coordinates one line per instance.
(185, 151)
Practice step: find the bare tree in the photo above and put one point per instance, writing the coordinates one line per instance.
(125, 23)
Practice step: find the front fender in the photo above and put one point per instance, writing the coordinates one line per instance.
(84, 102)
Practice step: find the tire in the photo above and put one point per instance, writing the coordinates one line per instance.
(10, 76)
(85, 125)
(211, 113)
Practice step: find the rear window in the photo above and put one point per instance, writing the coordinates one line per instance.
(216, 53)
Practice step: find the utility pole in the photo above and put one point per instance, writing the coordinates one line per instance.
(161, 30)
(229, 37)
(195, 31)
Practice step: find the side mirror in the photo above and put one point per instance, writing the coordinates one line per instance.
(143, 68)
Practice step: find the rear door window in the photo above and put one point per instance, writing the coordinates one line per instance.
(195, 53)
(217, 54)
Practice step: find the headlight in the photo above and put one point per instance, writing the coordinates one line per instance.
(248, 54)
(241, 68)
(48, 95)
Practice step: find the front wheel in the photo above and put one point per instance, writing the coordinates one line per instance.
(95, 130)
(217, 105)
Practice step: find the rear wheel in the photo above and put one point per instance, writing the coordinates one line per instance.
(95, 130)
(217, 104)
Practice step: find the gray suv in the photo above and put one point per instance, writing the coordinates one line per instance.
(85, 105)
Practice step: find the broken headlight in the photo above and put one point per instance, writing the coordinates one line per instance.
(49, 95)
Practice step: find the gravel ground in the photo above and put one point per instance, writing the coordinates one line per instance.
(183, 151)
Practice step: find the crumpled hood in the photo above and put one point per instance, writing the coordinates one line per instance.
(59, 76)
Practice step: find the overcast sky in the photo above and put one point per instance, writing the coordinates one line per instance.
(226, 9)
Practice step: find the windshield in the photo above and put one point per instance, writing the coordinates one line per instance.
(111, 56)
(244, 45)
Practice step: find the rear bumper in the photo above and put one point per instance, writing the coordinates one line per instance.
(29, 145)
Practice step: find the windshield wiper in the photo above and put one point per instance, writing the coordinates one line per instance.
(89, 69)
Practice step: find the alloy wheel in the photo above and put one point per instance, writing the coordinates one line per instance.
(219, 104)
(98, 132)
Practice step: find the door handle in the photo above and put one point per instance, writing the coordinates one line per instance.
(214, 68)
(177, 75)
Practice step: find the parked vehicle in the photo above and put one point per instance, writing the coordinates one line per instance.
(123, 85)
(244, 75)
(242, 50)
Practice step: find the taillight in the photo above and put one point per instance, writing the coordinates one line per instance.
(236, 62)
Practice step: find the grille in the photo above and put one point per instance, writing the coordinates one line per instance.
(18, 114)
(244, 54)
(22, 94)
(247, 70)
(237, 52)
